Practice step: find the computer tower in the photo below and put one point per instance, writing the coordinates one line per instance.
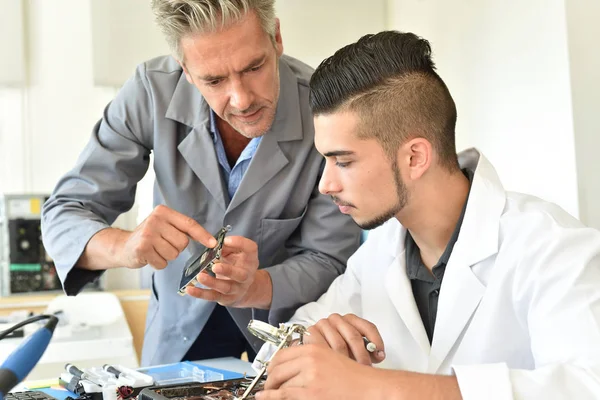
(25, 267)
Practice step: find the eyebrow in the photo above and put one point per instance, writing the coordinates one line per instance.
(337, 153)
(254, 63)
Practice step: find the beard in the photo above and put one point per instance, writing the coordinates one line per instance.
(402, 200)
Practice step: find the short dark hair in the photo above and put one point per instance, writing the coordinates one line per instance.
(389, 79)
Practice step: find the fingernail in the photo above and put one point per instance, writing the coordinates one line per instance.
(380, 354)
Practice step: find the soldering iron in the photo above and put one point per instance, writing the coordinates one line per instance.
(22, 360)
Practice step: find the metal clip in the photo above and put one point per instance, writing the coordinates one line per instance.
(281, 337)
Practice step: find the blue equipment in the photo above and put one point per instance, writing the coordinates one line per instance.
(22, 360)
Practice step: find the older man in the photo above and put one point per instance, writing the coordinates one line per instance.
(228, 123)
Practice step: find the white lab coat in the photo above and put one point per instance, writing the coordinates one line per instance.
(519, 306)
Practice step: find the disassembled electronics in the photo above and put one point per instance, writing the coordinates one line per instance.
(203, 262)
(232, 389)
(220, 390)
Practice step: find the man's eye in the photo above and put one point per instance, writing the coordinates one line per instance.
(342, 164)
(214, 83)
(254, 69)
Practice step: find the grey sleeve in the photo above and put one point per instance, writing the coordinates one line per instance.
(320, 248)
(102, 183)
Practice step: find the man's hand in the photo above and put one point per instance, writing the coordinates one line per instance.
(161, 238)
(345, 334)
(315, 372)
(238, 283)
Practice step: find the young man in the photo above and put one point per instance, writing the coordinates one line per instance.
(467, 290)
(228, 122)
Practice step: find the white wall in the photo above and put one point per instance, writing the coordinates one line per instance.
(12, 141)
(506, 64)
(583, 33)
(123, 35)
(314, 29)
(63, 105)
(45, 126)
(11, 26)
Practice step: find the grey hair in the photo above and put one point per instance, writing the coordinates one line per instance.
(178, 18)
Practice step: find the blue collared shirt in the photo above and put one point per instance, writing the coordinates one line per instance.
(233, 176)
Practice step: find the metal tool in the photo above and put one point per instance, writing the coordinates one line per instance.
(202, 262)
(280, 337)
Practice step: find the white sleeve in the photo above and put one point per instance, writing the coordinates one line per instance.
(498, 382)
(558, 293)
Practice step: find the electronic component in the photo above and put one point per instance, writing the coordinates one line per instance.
(203, 262)
(25, 267)
(280, 337)
(24, 263)
(29, 395)
(229, 389)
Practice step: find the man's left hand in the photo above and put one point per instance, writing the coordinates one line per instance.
(236, 276)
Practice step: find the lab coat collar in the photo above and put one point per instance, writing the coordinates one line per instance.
(461, 289)
(187, 105)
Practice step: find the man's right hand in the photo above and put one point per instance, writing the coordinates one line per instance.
(163, 235)
(345, 334)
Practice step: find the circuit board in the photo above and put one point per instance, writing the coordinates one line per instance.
(221, 390)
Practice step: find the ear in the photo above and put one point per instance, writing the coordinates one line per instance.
(185, 71)
(418, 156)
(278, 39)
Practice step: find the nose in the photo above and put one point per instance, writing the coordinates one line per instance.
(328, 184)
(241, 97)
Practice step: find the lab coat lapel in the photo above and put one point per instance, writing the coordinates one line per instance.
(400, 292)
(266, 163)
(198, 150)
(461, 290)
(188, 107)
(460, 295)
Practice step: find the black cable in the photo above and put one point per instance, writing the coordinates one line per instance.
(28, 321)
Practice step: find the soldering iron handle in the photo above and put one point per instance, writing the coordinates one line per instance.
(112, 370)
(73, 370)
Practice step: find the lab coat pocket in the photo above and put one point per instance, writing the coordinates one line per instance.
(275, 232)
